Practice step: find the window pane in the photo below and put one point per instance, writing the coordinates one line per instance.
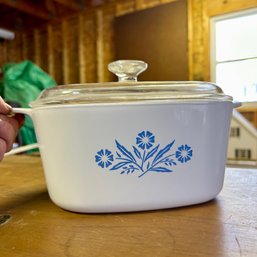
(236, 38)
(238, 79)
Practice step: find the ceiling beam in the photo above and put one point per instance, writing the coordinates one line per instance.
(76, 5)
(35, 9)
(51, 8)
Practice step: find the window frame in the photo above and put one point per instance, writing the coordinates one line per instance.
(213, 20)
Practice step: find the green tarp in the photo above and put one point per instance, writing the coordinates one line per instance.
(22, 83)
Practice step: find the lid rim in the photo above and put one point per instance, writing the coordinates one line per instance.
(135, 103)
(130, 92)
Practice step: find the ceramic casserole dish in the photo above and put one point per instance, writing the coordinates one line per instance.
(132, 146)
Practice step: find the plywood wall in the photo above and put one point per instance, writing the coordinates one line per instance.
(78, 49)
(157, 36)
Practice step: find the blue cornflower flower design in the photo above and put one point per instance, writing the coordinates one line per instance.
(184, 153)
(145, 140)
(104, 158)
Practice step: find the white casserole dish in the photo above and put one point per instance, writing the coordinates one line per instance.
(132, 146)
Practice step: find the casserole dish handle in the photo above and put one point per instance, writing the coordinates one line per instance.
(236, 104)
(27, 111)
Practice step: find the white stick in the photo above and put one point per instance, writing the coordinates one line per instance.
(22, 149)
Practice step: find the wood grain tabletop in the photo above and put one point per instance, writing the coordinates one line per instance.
(32, 226)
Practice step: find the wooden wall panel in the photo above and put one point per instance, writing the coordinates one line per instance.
(3, 57)
(196, 40)
(87, 48)
(79, 48)
(105, 49)
(50, 48)
(70, 50)
(28, 46)
(13, 50)
(55, 53)
(161, 42)
(41, 48)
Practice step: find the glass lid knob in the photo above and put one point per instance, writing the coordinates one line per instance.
(127, 70)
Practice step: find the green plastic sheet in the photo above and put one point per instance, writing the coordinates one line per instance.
(22, 83)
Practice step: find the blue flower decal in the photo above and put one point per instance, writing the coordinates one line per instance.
(104, 158)
(144, 157)
(145, 140)
(184, 153)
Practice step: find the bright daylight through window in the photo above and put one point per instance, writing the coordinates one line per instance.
(234, 54)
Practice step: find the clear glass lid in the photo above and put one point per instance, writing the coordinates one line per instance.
(128, 89)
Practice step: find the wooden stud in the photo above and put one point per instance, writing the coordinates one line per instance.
(195, 39)
(3, 58)
(89, 53)
(65, 67)
(24, 46)
(81, 49)
(37, 47)
(99, 45)
(107, 41)
(50, 47)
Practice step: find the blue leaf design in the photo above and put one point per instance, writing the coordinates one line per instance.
(125, 151)
(150, 158)
(152, 152)
(163, 151)
(171, 163)
(138, 154)
(160, 169)
(119, 165)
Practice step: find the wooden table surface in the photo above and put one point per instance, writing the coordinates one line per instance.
(31, 225)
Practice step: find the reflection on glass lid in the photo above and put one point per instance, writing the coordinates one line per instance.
(129, 90)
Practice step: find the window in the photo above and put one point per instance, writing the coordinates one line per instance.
(234, 54)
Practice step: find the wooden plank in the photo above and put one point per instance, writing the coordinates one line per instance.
(143, 4)
(29, 46)
(56, 46)
(13, 49)
(218, 7)
(75, 5)
(81, 46)
(70, 50)
(37, 56)
(65, 41)
(32, 8)
(41, 48)
(124, 7)
(51, 7)
(99, 44)
(87, 38)
(50, 54)
(197, 36)
(130, 6)
(105, 42)
(24, 46)
(194, 39)
(3, 56)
